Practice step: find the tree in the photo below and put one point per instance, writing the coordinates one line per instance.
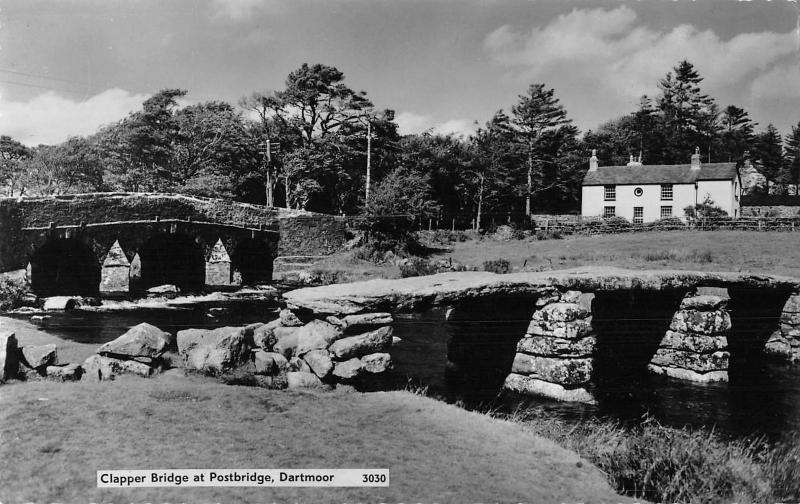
(535, 113)
(687, 113)
(12, 153)
(495, 155)
(768, 155)
(139, 148)
(792, 158)
(737, 132)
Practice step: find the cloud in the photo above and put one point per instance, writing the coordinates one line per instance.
(620, 59)
(410, 123)
(49, 118)
(239, 10)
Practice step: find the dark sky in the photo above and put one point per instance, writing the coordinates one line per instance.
(67, 67)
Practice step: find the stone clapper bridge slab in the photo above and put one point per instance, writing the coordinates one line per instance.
(689, 324)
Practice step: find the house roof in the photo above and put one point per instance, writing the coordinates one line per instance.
(659, 174)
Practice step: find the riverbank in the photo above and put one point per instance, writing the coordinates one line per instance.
(55, 436)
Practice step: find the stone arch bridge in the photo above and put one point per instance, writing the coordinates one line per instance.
(119, 243)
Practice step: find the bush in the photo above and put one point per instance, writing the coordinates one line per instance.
(615, 224)
(501, 266)
(665, 464)
(668, 223)
(417, 266)
(555, 234)
(12, 292)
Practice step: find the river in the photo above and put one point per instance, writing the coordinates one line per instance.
(762, 399)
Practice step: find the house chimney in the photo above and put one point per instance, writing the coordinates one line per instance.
(634, 162)
(696, 159)
(593, 161)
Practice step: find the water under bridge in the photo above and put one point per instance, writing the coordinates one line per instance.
(117, 243)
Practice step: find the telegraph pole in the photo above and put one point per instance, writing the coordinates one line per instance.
(369, 156)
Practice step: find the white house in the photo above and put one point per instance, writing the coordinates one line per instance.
(644, 193)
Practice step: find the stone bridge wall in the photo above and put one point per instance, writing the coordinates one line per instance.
(25, 221)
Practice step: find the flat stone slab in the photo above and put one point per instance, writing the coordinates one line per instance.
(411, 294)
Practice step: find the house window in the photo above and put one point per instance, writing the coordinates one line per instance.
(666, 211)
(666, 192)
(638, 215)
(609, 211)
(610, 193)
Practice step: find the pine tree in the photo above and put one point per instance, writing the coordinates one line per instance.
(768, 154)
(737, 132)
(536, 113)
(792, 158)
(687, 112)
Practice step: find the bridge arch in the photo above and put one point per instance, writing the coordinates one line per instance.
(64, 266)
(252, 258)
(176, 259)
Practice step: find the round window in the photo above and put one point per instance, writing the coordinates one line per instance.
(638, 191)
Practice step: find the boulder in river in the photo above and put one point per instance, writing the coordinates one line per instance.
(60, 303)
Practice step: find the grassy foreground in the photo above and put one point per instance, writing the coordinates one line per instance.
(55, 436)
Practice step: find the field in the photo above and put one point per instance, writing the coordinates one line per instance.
(56, 436)
(769, 252)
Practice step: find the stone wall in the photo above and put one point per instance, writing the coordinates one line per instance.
(771, 211)
(555, 357)
(311, 234)
(696, 345)
(785, 341)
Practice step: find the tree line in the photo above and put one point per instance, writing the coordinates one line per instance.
(319, 145)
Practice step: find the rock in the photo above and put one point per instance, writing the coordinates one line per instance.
(41, 320)
(269, 363)
(701, 363)
(565, 330)
(319, 361)
(703, 303)
(68, 372)
(560, 312)
(316, 335)
(289, 319)
(378, 340)
(143, 340)
(298, 380)
(688, 374)
(790, 331)
(162, 290)
(585, 301)
(790, 318)
(9, 356)
(557, 347)
(701, 322)
(285, 341)
(452, 288)
(264, 335)
(529, 385)
(297, 364)
(36, 357)
(355, 322)
(697, 343)
(277, 381)
(547, 297)
(778, 346)
(349, 369)
(571, 296)
(213, 351)
(107, 368)
(396, 340)
(60, 303)
(792, 304)
(377, 362)
(555, 370)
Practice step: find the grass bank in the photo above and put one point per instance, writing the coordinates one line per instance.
(55, 436)
(666, 464)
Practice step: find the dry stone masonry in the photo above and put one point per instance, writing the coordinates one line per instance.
(696, 345)
(785, 341)
(555, 358)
